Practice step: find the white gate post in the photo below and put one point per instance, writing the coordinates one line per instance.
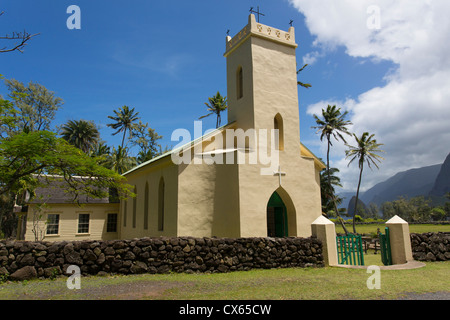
(325, 231)
(400, 240)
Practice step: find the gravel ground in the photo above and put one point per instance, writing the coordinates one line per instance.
(441, 295)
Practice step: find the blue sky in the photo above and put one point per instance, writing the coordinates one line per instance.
(166, 58)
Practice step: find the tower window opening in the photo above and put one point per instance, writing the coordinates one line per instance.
(278, 125)
(239, 83)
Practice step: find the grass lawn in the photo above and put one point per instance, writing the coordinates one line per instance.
(413, 228)
(276, 284)
(330, 283)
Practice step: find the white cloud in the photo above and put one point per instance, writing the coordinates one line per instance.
(410, 114)
(311, 57)
(160, 62)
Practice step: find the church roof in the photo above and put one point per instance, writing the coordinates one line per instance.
(55, 191)
(176, 150)
(305, 152)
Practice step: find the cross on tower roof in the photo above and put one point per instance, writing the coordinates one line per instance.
(257, 12)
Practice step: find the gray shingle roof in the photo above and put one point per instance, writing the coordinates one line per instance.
(56, 192)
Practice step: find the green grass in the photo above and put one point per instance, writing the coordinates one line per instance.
(413, 228)
(275, 284)
(294, 283)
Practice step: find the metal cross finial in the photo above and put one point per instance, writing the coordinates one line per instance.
(257, 12)
(290, 22)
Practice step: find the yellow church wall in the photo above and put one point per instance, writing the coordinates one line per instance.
(151, 174)
(196, 189)
(208, 193)
(299, 190)
(68, 222)
(240, 109)
(275, 90)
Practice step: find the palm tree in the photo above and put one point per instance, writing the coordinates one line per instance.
(119, 160)
(101, 151)
(124, 119)
(304, 85)
(332, 125)
(81, 134)
(216, 105)
(327, 190)
(365, 151)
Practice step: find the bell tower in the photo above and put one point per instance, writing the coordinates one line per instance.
(262, 82)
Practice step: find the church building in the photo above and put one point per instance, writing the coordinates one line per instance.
(249, 178)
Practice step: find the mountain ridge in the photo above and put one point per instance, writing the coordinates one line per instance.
(433, 180)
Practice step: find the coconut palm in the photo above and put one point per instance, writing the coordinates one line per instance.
(124, 119)
(327, 190)
(81, 134)
(365, 151)
(333, 125)
(216, 105)
(119, 160)
(302, 84)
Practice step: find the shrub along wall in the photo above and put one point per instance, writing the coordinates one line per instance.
(431, 246)
(24, 260)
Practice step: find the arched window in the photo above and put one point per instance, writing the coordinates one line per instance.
(278, 125)
(125, 212)
(146, 213)
(239, 83)
(161, 205)
(134, 207)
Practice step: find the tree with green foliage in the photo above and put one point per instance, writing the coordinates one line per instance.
(30, 153)
(447, 205)
(81, 133)
(26, 157)
(327, 189)
(372, 211)
(437, 214)
(416, 209)
(34, 106)
(124, 119)
(366, 151)
(216, 105)
(332, 125)
(146, 139)
(120, 161)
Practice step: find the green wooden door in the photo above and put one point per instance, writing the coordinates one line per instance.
(276, 217)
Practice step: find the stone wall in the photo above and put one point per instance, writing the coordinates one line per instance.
(24, 260)
(431, 246)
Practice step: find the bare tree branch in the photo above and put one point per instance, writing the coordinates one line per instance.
(20, 38)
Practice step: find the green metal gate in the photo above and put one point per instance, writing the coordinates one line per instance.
(350, 250)
(385, 247)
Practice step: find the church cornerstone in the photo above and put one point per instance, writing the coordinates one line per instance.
(325, 231)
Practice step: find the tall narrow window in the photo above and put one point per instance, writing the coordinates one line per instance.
(239, 83)
(146, 206)
(83, 223)
(134, 207)
(125, 208)
(278, 125)
(161, 205)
